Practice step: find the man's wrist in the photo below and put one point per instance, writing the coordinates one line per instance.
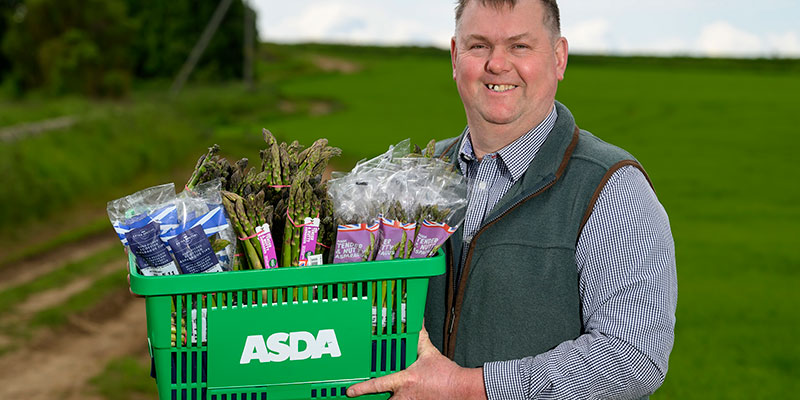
(469, 383)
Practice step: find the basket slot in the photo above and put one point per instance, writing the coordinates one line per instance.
(374, 363)
(393, 360)
(192, 317)
(402, 353)
(328, 391)
(257, 395)
(383, 355)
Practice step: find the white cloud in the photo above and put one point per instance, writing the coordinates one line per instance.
(723, 39)
(350, 21)
(589, 36)
(786, 44)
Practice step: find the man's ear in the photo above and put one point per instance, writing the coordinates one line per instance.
(561, 49)
(453, 55)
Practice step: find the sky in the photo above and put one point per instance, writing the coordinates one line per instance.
(703, 28)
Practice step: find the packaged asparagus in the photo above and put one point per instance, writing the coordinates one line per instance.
(441, 209)
(356, 216)
(139, 220)
(397, 229)
(203, 240)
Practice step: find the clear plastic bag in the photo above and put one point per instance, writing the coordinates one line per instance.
(203, 241)
(140, 219)
(404, 193)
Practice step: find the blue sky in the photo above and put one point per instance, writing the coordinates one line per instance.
(738, 28)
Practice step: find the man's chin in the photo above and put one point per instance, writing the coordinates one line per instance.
(500, 120)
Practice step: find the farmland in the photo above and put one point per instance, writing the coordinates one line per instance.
(717, 137)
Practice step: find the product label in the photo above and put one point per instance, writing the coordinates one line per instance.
(267, 246)
(193, 252)
(384, 315)
(396, 239)
(355, 243)
(315, 259)
(430, 238)
(166, 218)
(151, 254)
(204, 322)
(212, 222)
(308, 240)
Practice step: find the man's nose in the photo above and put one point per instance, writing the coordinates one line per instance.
(498, 61)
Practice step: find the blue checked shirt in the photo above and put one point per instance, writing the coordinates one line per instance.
(627, 281)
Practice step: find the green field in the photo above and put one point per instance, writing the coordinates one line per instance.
(716, 137)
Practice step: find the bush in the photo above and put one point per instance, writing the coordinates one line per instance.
(77, 43)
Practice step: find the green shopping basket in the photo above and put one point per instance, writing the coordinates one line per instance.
(286, 333)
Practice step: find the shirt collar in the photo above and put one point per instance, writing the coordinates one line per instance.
(519, 153)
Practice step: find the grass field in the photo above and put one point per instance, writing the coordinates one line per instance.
(717, 139)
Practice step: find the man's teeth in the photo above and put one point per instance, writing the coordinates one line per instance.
(500, 88)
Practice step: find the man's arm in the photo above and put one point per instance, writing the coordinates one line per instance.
(628, 287)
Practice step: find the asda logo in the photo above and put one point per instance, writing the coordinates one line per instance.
(293, 346)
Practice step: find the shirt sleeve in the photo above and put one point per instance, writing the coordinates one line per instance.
(628, 286)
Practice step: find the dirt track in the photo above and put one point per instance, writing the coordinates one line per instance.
(59, 364)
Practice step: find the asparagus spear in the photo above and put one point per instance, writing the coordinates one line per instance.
(249, 231)
(201, 166)
(430, 149)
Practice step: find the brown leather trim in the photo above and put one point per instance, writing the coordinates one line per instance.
(449, 344)
(447, 150)
(614, 168)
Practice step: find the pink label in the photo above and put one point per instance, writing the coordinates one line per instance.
(430, 238)
(355, 243)
(267, 246)
(396, 239)
(308, 240)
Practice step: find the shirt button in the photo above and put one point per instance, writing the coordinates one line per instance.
(482, 185)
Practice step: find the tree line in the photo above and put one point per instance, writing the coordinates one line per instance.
(100, 47)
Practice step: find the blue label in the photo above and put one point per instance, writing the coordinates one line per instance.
(211, 222)
(147, 246)
(166, 217)
(193, 251)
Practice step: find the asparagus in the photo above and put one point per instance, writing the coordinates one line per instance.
(249, 231)
(202, 164)
(228, 200)
(430, 149)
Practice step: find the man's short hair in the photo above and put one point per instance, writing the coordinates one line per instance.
(552, 18)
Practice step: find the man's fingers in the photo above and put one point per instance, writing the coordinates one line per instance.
(382, 384)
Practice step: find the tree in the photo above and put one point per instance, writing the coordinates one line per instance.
(97, 47)
(71, 46)
(169, 29)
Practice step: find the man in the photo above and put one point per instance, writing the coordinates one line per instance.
(561, 282)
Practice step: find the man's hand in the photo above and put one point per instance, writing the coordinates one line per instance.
(432, 376)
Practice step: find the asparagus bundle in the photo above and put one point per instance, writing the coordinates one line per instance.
(273, 198)
(408, 192)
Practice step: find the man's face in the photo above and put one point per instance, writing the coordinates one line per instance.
(506, 65)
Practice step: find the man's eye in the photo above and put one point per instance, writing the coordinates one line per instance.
(477, 46)
(521, 46)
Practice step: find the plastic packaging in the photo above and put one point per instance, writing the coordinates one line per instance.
(417, 202)
(140, 220)
(203, 241)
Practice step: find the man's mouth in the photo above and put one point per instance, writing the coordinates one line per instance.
(500, 88)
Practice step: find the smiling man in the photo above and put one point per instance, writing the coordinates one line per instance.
(561, 282)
